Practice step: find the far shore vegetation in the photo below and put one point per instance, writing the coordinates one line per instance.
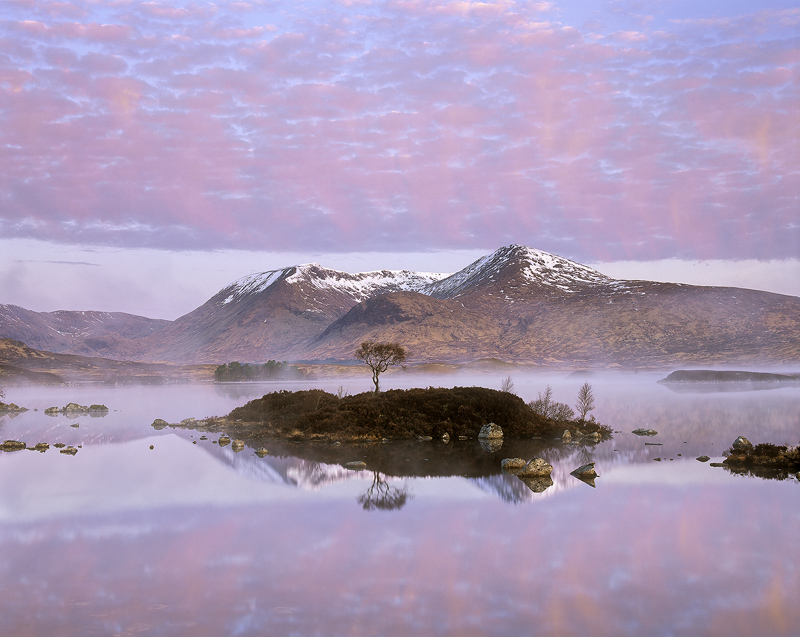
(271, 370)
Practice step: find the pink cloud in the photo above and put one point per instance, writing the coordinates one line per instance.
(400, 123)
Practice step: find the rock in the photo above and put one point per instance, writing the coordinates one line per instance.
(224, 440)
(715, 464)
(11, 408)
(512, 465)
(40, 447)
(237, 445)
(742, 444)
(59, 445)
(188, 422)
(152, 447)
(69, 450)
(12, 445)
(261, 452)
(203, 437)
(356, 465)
(595, 436)
(657, 459)
(75, 408)
(98, 408)
(463, 437)
(75, 425)
(645, 432)
(491, 432)
(585, 473)
(566, 436)
(537, 484)
(159, 424)
(536, 468)
(424, 438)
(51, 411)
(337, 444)
(446, 437)
(703, 458)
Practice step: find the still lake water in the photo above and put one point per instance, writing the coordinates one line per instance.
(192, 539)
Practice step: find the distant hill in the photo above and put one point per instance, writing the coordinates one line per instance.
(20, 363)
(109, 334)
(518, 304)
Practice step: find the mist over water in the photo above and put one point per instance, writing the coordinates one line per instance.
(191, 538)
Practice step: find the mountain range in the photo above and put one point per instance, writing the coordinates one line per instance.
(517, 304)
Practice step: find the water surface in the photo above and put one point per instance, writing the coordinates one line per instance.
(191, 538)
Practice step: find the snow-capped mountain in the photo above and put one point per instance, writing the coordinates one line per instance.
(360, 286)
(517, 265)
(518, 304)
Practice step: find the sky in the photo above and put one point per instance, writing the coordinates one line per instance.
(151, 153)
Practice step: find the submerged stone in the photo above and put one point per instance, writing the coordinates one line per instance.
(237, 445)
(491, 444)
(356, 465)
(537, 484)
(703, 458)
(224, 440)
(645, 432)
(261, 452)
(69, 450)
(12, 445)
(159, 424)
(566, 436)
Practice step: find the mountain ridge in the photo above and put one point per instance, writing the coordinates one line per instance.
(517, 304)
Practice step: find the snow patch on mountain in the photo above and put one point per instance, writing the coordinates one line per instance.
(536, 267)
(252, 284)
(359, 286)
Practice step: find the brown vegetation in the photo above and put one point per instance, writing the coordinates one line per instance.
(764, 460)
(399, 414)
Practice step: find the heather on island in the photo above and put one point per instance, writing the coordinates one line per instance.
(400, 414)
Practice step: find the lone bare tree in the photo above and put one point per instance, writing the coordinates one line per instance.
(585, 402)
(380, 356)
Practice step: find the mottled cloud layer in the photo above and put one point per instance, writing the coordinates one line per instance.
(624, 133)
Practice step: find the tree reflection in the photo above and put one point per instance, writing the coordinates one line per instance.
(382, 496)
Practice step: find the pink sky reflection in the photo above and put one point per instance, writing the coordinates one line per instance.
(637, 559)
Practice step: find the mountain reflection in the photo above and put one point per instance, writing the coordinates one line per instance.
(382, 496)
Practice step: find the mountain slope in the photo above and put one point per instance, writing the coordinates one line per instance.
(84, 333)
(431, 329)
(271, 315)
